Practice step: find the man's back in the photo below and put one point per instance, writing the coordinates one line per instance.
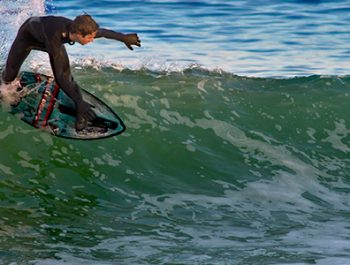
(45, 33)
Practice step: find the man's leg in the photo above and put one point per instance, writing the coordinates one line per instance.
(18, 53)
(9, 92)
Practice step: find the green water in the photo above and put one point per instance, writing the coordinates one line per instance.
(212, 169)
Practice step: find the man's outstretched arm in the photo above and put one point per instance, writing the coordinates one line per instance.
(128, 39)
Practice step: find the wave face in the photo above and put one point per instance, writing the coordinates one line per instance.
(221, 163)
(221, 169)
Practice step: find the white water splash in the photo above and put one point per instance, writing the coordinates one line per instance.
(12, 14)
(9, 94)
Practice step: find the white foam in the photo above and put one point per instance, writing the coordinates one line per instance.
(9, 94)
(336, 137)
(12, 15)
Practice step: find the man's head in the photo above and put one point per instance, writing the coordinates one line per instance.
(83, 29)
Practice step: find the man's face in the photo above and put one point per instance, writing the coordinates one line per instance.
(85, 39)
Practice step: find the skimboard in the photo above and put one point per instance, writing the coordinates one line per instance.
(46, 106)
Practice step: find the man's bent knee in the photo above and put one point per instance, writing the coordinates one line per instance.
(8, 77)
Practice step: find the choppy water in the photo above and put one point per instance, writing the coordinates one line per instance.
(214, 168)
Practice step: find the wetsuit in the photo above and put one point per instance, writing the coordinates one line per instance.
(46, 34)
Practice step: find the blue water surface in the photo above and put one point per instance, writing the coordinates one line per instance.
(255, 38)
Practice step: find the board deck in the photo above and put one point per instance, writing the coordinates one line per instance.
(46, 106)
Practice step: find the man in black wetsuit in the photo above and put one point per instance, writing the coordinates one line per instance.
(49, 34)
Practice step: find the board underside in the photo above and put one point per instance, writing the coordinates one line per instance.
(46, 106)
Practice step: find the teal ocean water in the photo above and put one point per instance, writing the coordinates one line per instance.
(236, 149)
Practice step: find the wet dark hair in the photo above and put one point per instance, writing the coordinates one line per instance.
(84, 24)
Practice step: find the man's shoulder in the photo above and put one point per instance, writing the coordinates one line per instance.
(55, 19)
(54, 26)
